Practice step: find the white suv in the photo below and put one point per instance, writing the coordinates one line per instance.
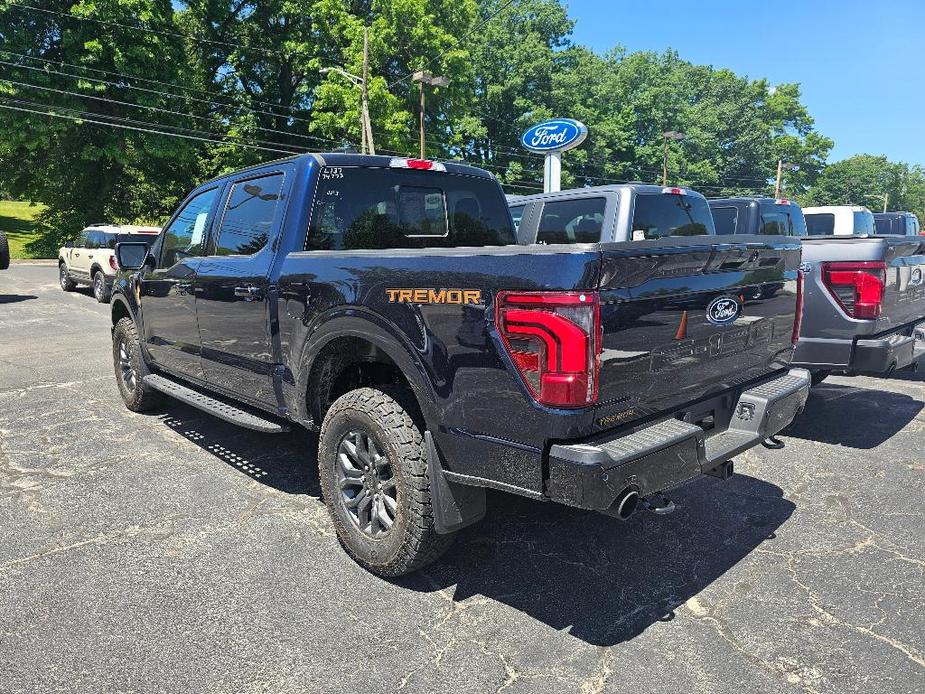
(839, 220)
(91, 259)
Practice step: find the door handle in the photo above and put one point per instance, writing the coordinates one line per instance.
(248, 293)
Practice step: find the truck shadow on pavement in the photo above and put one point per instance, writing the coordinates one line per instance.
(602, 580)
(879, 415)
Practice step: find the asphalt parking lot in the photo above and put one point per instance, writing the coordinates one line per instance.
(174, 552)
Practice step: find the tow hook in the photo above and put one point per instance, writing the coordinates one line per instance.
(772, 442)
(658, 503)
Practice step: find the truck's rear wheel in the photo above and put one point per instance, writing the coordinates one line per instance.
(130, 368)
(67, 284)
(376, 483)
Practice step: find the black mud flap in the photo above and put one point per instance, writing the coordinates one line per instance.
(455, 505)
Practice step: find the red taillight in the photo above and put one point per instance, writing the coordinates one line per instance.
(554, 340)
(798, 318)
(112, 262)
(857, 287)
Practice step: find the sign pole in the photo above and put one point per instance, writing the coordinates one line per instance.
(552, 172)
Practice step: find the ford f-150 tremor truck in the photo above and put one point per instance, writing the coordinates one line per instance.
(90, 259)
(385, 301)
(864, 295)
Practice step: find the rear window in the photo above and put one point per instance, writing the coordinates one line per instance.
(781, 220)
(572, 221)
(864, 223)
(912, 226)
(364, 207)
(725, 219)
(661, 214)
(889, 225)
(820, 224)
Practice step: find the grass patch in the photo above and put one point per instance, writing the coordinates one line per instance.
(17, 221)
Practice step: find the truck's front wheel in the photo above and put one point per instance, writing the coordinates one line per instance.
(376, 483)
(130, 368)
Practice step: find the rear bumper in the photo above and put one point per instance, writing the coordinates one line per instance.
(593, 474)
(875, 355)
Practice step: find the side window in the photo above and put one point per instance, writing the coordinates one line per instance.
(248, 219)
(183, 238)
(725, 219)
(108, 240)
(517, 213)
(572, 221)
(81, 240)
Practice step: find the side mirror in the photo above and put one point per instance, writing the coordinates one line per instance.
(131, 255)
(69, 244)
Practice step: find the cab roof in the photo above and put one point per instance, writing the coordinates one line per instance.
(354, 159)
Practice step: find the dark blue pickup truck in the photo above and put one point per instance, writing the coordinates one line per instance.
(385, 302)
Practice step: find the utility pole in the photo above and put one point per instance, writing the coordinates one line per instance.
(423, 77)
(669, 135)
(781, 167)
(366, 126)
(886, 199)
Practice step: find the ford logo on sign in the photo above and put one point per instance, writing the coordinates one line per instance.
(722, 310)
(555, 135)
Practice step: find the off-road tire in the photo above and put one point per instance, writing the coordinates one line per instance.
(137, 397)
(101, 291)
(818, 376)
(412, 542)
(4, 252)
(64, 279)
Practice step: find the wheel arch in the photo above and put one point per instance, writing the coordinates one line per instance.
(360, 350)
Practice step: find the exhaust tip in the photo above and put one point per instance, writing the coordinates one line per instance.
(626, 504)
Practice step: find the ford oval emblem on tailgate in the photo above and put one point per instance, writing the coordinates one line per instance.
(722, 310)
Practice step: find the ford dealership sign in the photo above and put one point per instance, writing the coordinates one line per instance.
(556, 135)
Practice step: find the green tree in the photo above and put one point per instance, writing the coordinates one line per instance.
(864, 179)
(76, 163)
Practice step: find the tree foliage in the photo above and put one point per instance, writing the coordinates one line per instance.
(240, 81)
(864, 179)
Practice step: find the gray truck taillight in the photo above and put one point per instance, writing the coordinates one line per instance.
(856, 286)
(554, 340)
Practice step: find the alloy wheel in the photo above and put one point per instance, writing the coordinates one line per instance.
(368, 492)
(126, 370)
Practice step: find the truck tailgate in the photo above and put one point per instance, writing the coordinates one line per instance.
(904, 293)
(687, 317)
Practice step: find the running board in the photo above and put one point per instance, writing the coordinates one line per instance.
(214, 407)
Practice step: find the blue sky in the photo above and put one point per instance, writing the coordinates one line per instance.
(843, 54)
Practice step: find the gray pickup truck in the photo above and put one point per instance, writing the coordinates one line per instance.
(864, 295)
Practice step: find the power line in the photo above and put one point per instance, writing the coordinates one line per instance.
(146, 29)
(139, 79)
(145, 130)
(103, 99)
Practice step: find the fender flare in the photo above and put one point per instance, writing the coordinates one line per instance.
(353, 321)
